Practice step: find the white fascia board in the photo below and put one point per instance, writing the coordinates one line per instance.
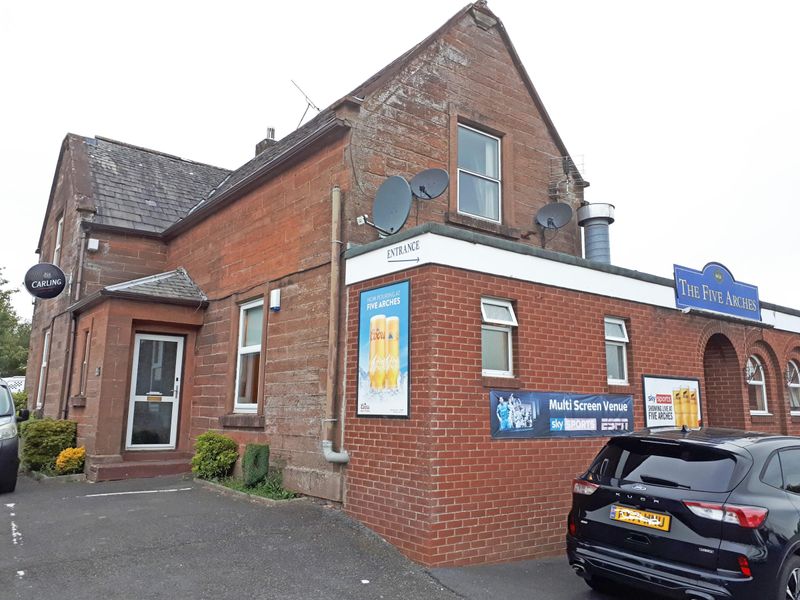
(429, 248)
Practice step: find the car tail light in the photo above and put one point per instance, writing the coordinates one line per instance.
(573, 529)
(584, 488)
(744, 566)
(749, 517)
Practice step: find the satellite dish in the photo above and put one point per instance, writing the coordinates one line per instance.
(429, 184)
(554, 216)
(392, 203)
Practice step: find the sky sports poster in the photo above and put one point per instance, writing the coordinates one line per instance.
(672, 402)
(383, 343)
(519, 414)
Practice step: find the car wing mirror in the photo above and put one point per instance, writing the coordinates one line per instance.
(24, 415)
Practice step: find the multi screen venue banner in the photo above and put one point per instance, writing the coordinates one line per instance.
(520, 414)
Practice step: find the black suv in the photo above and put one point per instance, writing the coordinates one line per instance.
(704, 514)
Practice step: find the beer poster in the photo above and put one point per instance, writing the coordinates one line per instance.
(522, 414)
(383, 362)
(671, 402)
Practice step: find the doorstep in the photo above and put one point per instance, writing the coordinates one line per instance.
(137, 466)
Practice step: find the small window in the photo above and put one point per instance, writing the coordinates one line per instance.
(251, 317)
(756, 387)
(43, 370)
(616, 351)
(496, 347)
(790, 464)
(479, 189)
(59, 236)
(84, 364)
(772, 475)
(793, 385)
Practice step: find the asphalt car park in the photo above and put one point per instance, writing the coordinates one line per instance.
(176, 538)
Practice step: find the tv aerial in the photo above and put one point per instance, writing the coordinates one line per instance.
(552, 217)
(391, 207)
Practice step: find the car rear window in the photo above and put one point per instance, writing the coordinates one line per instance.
(684, 466)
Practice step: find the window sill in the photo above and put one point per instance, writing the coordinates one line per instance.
(242, 421)
(512, 383)
(616, 383)
(483, 225)
(78, 401)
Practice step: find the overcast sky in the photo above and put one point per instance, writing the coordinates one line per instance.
(685, 113)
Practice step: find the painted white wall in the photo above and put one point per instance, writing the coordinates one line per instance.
(430, 248)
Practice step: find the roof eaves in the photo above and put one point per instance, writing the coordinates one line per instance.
(97, 297)
(292, 152)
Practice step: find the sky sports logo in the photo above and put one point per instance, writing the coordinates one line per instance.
(567, 424)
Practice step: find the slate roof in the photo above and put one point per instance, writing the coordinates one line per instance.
(144, 190)
(254, 164)
(173, 285)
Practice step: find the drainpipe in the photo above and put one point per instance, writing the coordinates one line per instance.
(329, 420)
(73, 332)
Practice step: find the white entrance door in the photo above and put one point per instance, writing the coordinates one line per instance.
(155, 392)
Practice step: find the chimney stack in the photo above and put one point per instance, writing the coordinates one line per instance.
(267, 142)
(595, 219)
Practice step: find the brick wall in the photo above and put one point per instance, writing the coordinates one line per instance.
(121, 257)
(410, 124)
(277, 236)
(440, 488)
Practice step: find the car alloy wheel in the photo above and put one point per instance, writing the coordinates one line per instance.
(793, 585)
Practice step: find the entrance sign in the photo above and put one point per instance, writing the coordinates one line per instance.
(45, 280)
(672, 402)
(715, 289)
(383, 351)
(520, 414)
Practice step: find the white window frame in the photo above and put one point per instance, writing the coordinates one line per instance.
(620, 342)
(762, 383)
(59, 238)
(505, 325)
(792, 367)
(241, 350)
(43, 371)
(498, 181)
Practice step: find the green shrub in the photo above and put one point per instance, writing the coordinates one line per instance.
(43, 440)
(20, 400)
(255, 464)
(214, 455)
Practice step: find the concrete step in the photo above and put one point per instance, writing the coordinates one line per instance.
(134, 469)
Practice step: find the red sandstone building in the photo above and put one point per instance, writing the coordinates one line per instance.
(165, 329)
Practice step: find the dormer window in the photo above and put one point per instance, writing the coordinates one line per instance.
(479, 193)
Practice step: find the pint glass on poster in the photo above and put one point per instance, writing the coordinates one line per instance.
(377, 352)
(392, 352)
(677, 406)
(694, 409)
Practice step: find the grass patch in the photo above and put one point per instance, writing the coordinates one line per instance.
(271, 487)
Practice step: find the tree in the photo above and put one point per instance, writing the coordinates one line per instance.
(15, 334)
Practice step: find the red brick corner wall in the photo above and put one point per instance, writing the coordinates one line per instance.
(439, 487)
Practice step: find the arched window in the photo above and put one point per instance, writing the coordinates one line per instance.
(793, 384)
(756, 386)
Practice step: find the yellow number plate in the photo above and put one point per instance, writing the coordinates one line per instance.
(642, 518)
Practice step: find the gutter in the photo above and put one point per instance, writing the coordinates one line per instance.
(101, 295)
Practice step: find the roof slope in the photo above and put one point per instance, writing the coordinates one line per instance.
(144, 190)
(172, 285)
